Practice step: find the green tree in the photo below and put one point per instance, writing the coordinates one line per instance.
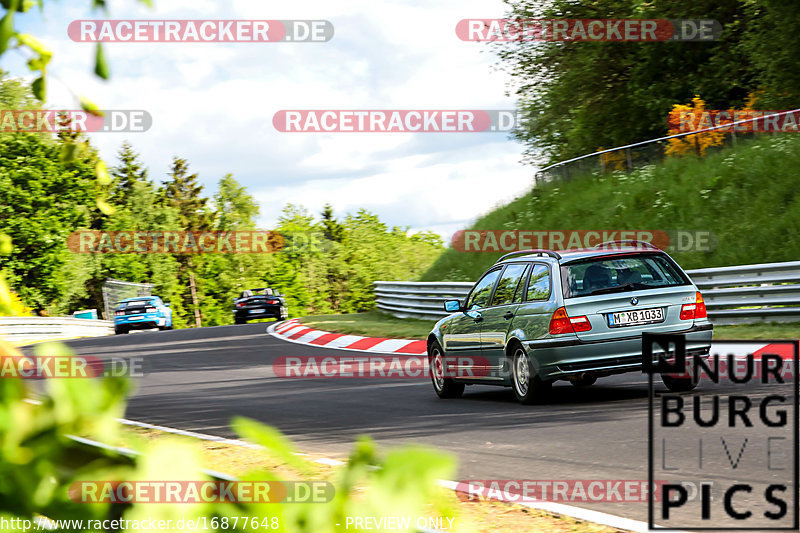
(221, 277)
(126, 174)
(184, 193)
(578, 96)
(234, 207)
(42, 200)
(333, 229)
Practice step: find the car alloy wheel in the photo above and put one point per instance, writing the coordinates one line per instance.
(522, 374)
(444, 387)
(528, 386)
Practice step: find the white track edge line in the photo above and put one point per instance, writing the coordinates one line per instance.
(577, 513)
(552, 508)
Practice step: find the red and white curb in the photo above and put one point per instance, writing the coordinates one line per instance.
(293, 331)
(741, 349)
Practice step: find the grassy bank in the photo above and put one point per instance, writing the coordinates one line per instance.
(746, 195)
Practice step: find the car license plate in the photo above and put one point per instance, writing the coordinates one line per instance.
(254, 311)
(136, 318)
(633, 318)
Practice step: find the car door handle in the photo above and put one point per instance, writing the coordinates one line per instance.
(508, 315)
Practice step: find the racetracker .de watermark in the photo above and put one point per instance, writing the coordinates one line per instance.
(193, 492)
(46, 120)
(396, 121)
(200, 31)
(588, 30)
(494, 241)
(563, 490)
(761, 120)
(378, 366)
(175, 242)
(69, 366)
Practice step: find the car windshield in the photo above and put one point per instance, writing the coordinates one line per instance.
(606, 275)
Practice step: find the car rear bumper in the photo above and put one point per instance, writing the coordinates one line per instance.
(571, 357)
(267, 311)
(146, 321)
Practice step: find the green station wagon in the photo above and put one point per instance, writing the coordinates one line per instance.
(537, 316)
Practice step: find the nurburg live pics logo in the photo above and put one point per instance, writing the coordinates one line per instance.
(737, 439)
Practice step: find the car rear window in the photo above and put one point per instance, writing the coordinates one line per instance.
(134, 303)
(605, 275)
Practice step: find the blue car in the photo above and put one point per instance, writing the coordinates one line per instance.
(142, 312)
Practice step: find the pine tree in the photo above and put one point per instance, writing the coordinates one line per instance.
(334, 231)
(129, 172)
(184, 194)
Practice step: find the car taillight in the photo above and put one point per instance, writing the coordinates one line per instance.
(700, 312)
(580, 323)
(150, 310)
(695, 310)
(272, 301)
(241, 304)
(119, 313)
(561, 322)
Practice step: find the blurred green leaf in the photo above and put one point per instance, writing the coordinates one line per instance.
(105, 207)
(7, 28)
(91, 107)
(34, 44)
(100, 64)
(101, 172)
(5, 244)
(39, 88)
(67, 152)
(275, 443)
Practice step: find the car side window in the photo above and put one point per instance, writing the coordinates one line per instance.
(482, 290)
(520, 292)
(507, 286)
(539, 283)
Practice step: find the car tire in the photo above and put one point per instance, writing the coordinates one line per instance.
(238, 320)
(584, 381)
(528, 387)
(444, 387)
(678, 384)
(120, 331)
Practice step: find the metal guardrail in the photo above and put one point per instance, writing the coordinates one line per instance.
(423, 299)
(733, 295)
(20, 330)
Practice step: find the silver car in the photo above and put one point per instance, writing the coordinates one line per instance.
(537, 316)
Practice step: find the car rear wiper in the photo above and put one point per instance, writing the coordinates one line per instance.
(620, 288)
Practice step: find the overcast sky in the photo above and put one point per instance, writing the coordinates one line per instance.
(213, 104)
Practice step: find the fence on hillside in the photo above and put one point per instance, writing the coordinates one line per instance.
(636, 155)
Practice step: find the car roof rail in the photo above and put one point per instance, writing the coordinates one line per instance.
(627, 242)
(551, 253)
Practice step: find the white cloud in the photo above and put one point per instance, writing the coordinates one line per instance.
(214, 103)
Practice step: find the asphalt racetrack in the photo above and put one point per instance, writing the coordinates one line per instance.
(198, 379)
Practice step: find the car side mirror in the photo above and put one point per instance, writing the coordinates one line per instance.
(452, 306)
